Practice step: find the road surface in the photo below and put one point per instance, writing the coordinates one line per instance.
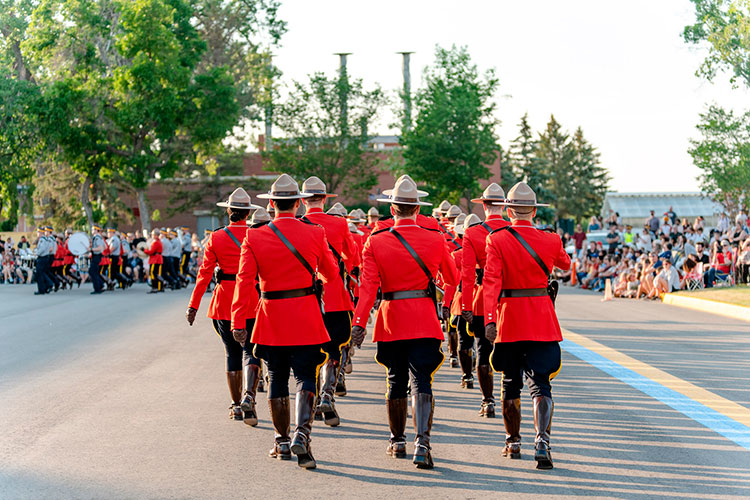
(114, 396)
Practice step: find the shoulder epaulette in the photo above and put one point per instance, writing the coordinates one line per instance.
(380, 231)
(306, 220)
(218, 228)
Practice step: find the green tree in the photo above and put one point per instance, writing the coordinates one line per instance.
(453, 138)
(555, 150)
(324, 125)
(525, 164)
(724, 26)
(591, 179)
(723, 156)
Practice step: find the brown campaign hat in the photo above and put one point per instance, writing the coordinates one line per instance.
(337, 209)
(405, 192)
(315, 187)
(453, 212)
(444, 206)
(357, 216)
(284, 188)
(493, 192)
(521, 195)
(458, 225)
(419, 191)
(260, 215)
(353, 229)
(238, 199)
(373, 212)
(471, 220)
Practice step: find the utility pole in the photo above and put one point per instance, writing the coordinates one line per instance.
(269, 105)
(343, 93)
(406, 92)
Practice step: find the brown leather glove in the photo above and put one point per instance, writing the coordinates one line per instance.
(490, 332)
(358, 336)
(240, 335)
(190, 315)
(468, 316)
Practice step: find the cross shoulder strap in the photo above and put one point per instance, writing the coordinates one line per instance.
(292, 249)
(486, 226)
(531, 251)
(413, 253)
(234, 238)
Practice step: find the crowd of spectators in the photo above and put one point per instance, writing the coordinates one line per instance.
(16, 261)
(665, 255)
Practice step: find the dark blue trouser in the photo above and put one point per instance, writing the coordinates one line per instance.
(94, 276)
(43, 282)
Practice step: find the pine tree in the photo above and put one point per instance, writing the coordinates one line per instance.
(591, 179)
(556, 150)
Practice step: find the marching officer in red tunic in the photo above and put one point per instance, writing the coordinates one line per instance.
(403, 261)
(221, 259)
(339, 305)
(520, 318)
(155, 261)
(472, 311)
(287, 255)
(422, 220)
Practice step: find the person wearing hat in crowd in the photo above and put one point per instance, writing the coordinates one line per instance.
(339, 305)
(403, 262)
(69, 260)
(520, 318)
(451, 292)
(221, 258)
(155, 261)
(98, 246)
(115, 257)
(422, 220)
(443, 208)
(472, 308)
(289, 331)
(55, 258)
(373, 216)
(43, 250)
(187, 249)
(57, 263)
(168, 254)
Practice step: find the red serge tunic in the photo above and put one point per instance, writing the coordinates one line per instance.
(509, 266)
(69, 257)
(453, 293)
(283, 322)
(422, 221)
(340, 238)
(475, 256)
(222, 251)
(154, 253)
(388, 265)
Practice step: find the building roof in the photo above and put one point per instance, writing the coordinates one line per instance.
(685, 204)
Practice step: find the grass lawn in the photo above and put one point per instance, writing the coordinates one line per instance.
(737, 295)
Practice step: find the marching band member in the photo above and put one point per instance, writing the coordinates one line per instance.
(223, 251)
(43, 250)
(97, 248)
(339, 306)
(155, 261)
(288, 256)
(403, 261)
(520, 317)
(472, 297)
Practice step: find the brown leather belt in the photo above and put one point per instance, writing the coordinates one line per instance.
(222, 276)
(524, 292)
(407, 294)
(287, 294)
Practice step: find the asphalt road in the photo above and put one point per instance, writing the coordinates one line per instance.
(114, 396)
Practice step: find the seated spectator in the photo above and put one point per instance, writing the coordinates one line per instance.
(644, 240)
(737, 235)
(721, 263)
(743, 262)
(668, 280)
(613, 238)
(592, 272)
(24, 243)
(594, 224)
(628, 238)
(646, 279)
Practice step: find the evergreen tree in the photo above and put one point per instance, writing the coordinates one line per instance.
(590, 178)
(555, 150)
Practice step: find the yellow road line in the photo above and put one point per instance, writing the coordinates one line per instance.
(722, 405)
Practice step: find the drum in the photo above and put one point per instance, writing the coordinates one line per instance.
(79, 244)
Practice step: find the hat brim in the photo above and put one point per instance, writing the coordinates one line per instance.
(270, 196)
(482, 200)
(420, 193)
(519, 205)
(415, 203)
(321, 194)
(226, 204)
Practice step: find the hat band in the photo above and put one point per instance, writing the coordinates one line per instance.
(522, 202)
(403, 199)
(239, 203)
(315, 191)
(493, 198)
(284, 193)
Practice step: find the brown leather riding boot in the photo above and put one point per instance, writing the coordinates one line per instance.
(512, 419)
(329, 376)
(423, 407)
(251, 374)
(487, 385)
(280, 417)
(543, 409)
(305, 411)
(234, 381)
(397, 413)
(466, 362)
(453, 347)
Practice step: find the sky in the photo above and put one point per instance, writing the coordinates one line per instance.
(620, 70)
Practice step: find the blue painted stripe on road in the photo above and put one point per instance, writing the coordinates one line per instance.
(699, 412)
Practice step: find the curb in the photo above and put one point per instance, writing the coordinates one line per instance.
(709, 306)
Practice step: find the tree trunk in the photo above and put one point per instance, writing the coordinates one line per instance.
(85, 202)
(143, 209)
